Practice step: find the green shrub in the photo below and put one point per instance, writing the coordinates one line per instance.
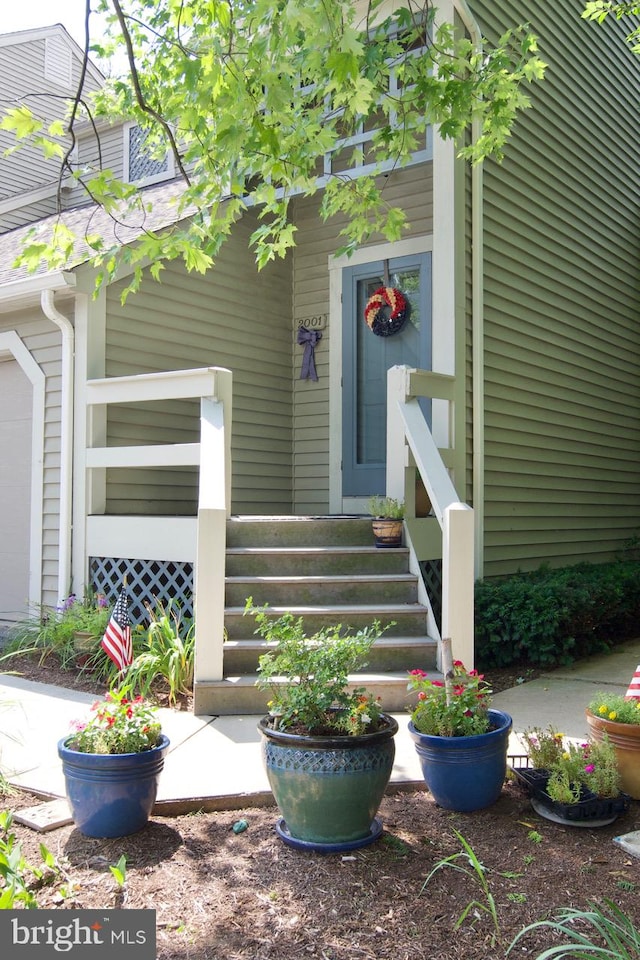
(552, 617)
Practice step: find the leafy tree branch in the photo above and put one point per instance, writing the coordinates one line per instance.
(264, 100)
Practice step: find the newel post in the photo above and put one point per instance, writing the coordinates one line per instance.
(397, 450)
(213, 510)
(458, 581)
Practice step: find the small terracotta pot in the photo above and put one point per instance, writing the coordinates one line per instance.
(625, 738)
(387, 532)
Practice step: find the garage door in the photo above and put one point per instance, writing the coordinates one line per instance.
(16, 400)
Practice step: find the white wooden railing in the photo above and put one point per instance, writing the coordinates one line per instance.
(200, 540)
(411, 447)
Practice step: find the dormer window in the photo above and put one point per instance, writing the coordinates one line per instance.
(140, 166)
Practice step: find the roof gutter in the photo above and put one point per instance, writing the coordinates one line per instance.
(477, 319)
(66, 440)
(32, 286)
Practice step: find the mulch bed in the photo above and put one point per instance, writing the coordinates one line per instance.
(221, 895)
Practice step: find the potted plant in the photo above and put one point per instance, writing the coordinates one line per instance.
(71, 631)
(461, 742)
(619, 718)
(88, 618)
(387, 525)
(328, 748)
(112, 763)
(569, 782)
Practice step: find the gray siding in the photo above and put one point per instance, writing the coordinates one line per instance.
(316, 242)
(25, 69)
(233, 317)
(562, 301)
(107, 150)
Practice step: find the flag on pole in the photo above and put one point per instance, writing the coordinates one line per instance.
(633, 692)
(116, 642)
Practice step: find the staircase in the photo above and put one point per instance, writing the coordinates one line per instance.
(328, 571)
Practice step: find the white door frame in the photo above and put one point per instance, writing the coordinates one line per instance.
(382, 251)
(12, 345)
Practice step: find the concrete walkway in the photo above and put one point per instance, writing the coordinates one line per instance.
(215, 763)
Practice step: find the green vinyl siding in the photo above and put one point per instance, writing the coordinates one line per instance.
(562, 300)
(233, 317)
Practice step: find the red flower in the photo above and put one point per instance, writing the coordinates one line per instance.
(417, 673)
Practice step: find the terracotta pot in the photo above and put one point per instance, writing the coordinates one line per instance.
(85, 645)
(625, 738)
(387, 532)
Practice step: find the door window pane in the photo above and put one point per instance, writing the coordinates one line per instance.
(374, 356)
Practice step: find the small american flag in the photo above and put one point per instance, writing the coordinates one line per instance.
(116, 642)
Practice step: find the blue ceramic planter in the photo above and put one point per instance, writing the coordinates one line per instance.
(328, 788)
(112, 795)
(465, 773)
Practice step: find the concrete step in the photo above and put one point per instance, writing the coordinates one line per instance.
(308, 590)
(404, 619)
(327, 571)
(314, 561)
(239, 695)
(387, 653)
(253, 531)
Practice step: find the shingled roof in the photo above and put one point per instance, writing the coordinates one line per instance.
(92, 219)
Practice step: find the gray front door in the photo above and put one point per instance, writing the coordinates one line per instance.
(366, 359)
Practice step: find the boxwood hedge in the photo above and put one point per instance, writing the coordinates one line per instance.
(552, 617)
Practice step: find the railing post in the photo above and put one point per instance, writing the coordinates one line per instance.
(213, 509)
(397, 459)
(458, 581)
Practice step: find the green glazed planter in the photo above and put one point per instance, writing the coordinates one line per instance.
(328, 789)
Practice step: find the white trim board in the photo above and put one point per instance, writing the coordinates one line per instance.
(11, 343)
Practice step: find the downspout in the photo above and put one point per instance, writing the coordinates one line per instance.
(66, 440)
(477, 320)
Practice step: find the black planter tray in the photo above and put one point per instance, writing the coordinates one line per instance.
(590, 807)
(532, 779)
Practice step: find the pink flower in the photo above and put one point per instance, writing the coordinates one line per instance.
(417, 673)
(589, 768)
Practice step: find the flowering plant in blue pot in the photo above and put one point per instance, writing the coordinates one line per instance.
(118, 725)
(460, 708)
(112, 764)
(460, 740)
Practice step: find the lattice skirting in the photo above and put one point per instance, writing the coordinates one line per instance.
(147, 581)
(432, 576)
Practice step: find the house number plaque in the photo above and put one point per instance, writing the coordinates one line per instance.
(318, 322)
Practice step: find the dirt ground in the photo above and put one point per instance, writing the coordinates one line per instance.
(221, 895)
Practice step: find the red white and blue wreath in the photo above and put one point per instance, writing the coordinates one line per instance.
(386, 311)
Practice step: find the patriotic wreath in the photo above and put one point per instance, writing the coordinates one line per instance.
(386, 311)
